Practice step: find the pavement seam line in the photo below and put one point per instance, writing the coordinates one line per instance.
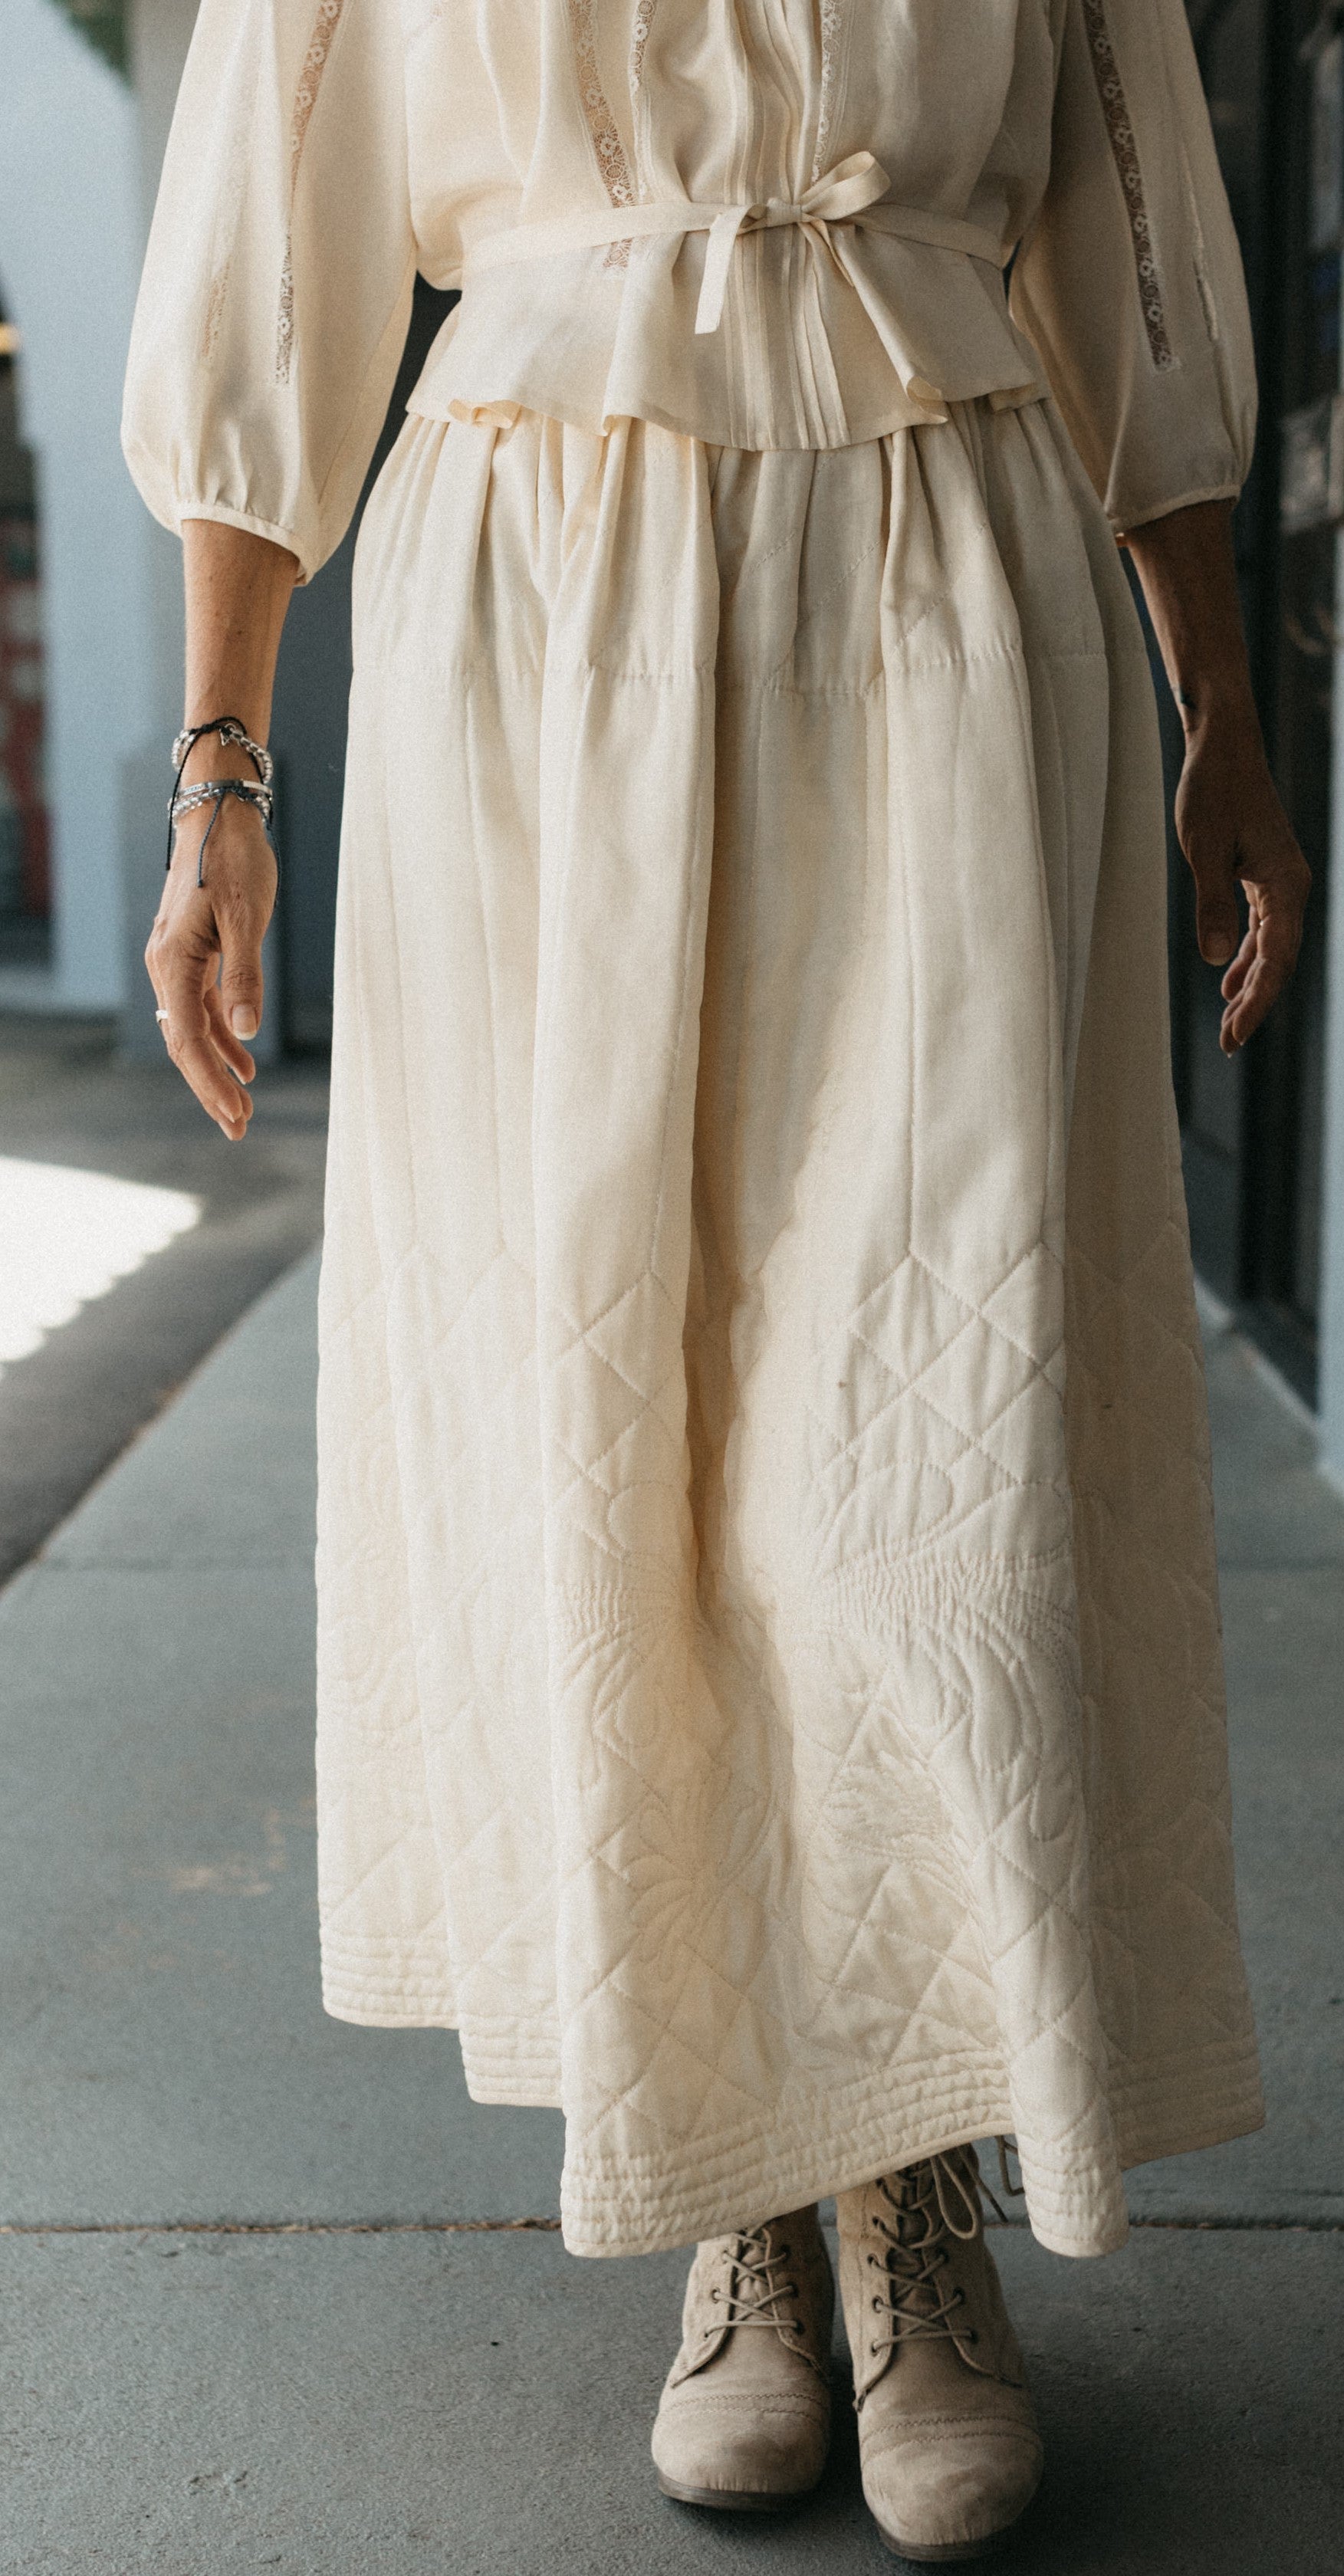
(538, 2226)
(279, 2226)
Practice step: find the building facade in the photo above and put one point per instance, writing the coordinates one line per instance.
(79, 636)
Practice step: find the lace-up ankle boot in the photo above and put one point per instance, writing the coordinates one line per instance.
(745, 2415)
(947, 2438)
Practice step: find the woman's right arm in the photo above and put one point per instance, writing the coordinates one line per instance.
(204, 952)
(269, 327)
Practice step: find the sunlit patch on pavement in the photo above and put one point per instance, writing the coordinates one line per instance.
(66, 1237)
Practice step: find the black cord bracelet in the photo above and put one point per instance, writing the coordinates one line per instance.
(230, 729)
(208, 791)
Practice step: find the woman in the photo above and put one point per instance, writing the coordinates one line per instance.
(770, 1696)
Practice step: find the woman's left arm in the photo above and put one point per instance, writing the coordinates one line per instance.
(1229, 821)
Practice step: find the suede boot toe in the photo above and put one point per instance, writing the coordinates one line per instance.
(950, 2491)
(745, 2416)
(947, 2437)
(718, 2451)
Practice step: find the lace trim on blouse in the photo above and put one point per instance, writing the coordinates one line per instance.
(602, 127)
(231, 202)
(224, 241)
(1115, 109)
(830, 18)
(305, 100)
(639, 37)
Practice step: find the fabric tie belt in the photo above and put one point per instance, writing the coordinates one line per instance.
(853, 192)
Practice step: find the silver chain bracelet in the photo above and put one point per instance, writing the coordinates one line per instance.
(186, 799)
(212, 791)
(228, 729)
(256, 792)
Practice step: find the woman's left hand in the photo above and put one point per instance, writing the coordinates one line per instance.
(1232, 828)
(1229, 821)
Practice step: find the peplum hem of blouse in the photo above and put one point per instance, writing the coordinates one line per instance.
(808, 355)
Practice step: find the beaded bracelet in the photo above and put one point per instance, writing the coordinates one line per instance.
(229, 729)
(185, 800)
(188, 798)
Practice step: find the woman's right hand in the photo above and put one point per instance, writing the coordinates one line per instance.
(204, 952)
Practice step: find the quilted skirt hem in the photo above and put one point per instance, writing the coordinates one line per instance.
(372, 2012)
(1079, 2213)
(1169, 2109)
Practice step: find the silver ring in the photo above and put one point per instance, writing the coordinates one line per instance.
(161, 1015)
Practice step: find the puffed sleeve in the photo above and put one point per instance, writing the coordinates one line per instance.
(1130, 280)
(277, 282)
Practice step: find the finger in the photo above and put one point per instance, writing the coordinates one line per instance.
(1269, 970)
(183, 961)
(1277, 911)
(1242, 963)
(240, 923)
(186, 1033)
(1243, 1017)
(230, 1050)
(1217, 921)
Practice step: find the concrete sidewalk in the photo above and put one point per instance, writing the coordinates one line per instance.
(267, 2299)
(71, 1104)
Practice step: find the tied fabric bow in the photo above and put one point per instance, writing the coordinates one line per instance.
(843, 193)
(852, 189)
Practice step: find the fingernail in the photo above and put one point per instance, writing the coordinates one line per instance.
(244, 1022)
(1218, 952)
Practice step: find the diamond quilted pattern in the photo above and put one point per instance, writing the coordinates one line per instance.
(770, 1674)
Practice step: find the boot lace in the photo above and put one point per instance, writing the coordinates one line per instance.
(932, 2204)
(759, 2288)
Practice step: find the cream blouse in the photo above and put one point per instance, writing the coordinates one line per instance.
(781, 223)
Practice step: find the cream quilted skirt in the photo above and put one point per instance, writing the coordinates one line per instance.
(770, 1681)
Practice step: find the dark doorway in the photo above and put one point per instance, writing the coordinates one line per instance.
(25, 885)
(1253, 1128)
